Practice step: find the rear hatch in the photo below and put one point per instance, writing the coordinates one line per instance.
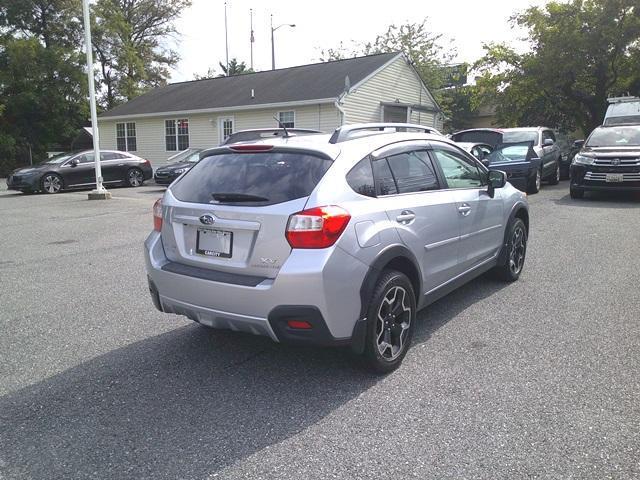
(229, 213)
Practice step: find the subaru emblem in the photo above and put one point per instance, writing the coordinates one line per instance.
(207, 219)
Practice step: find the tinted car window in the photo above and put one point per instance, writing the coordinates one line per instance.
(520, 136)
(360, 178)
(277, 177)
(459, 171)
(413, 172)
(386, 185)
(478, 136)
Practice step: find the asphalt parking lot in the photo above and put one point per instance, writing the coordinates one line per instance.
(536, 379)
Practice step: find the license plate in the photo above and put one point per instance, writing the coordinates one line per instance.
(214, 243)
(614, 177)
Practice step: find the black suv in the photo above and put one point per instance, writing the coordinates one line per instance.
(608, 161)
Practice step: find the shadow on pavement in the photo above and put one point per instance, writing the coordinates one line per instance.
(603, 200)
(186, 403)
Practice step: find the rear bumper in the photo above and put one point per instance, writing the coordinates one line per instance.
(326, 295)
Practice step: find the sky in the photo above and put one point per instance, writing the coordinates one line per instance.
(464, 24)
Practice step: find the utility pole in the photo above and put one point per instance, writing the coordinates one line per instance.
(251, 38)
(100, 193)
(226, 36)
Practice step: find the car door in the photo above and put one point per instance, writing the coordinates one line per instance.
(83, 173)
(548, 153)
(480, 216)
(113, 166)
(425, 215)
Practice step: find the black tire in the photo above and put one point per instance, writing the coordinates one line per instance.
(514, 254)
(134, 178)
(391, 319)
(576, 193)
(535, 183)
(555, 178)
(51, 183)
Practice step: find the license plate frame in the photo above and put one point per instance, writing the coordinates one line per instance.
(614, 178)
(223, 237)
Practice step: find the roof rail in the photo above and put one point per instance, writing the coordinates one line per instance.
(624, 99)
(343, 133)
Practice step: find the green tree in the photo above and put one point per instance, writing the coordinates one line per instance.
(235, 68)
(42, 83)
(423, 48)
(130, 41)
(581, 52)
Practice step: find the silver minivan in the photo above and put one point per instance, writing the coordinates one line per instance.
(332, 239)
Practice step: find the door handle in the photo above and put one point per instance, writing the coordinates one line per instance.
(464, 209)
(406, 217)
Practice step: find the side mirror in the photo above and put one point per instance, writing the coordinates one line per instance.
(548, 142)
(578, 143)
(74, 162)
(497, 179)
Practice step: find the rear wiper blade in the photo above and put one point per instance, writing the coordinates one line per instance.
(238, 197)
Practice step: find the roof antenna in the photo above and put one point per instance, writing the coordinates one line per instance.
(281, 125)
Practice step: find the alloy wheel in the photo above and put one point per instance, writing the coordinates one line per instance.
(518, 249)
(51, 184)
(558, 173)
(394, 319)
(135, 178)
(538, 180)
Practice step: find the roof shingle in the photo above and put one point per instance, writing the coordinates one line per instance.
(306, 82)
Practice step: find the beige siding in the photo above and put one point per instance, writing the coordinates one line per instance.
(203, 128)
(396, 82)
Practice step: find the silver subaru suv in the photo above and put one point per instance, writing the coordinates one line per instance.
(332, 239)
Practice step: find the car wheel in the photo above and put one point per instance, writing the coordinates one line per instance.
(51, 183)
(535, 183)
(391, 318)
(515, 252)
(555, 178)
(135, 177)
(576, 193)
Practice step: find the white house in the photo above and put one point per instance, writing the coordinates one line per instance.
(322, 96)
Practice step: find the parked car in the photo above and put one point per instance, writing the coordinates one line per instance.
(521, 164)
(608, 161)
(292, 238)
(77, 170)
(488, 136)
(544, 146)
(478, 150)
(263, 133)
(168, 173)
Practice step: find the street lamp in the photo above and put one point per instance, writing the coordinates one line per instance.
(273, 50)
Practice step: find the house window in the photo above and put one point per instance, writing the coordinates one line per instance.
(287, 119)
(176, 134)
(126, 137)
(227, 128)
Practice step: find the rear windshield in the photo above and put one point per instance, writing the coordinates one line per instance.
(510, 153)
(253, 179)
(478, 136)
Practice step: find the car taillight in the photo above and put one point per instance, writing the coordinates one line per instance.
(318, 227)
(157, 215)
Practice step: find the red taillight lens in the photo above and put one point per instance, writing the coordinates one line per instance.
(299, 325)
(318, 227)
(157, 215)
